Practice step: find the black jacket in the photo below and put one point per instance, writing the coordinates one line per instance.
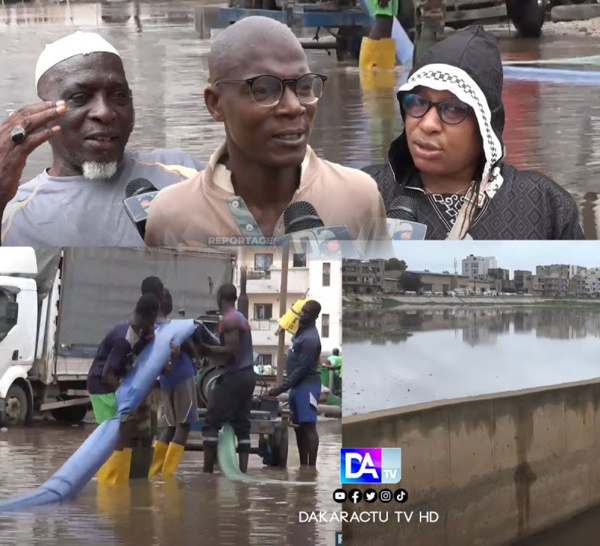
(518, 204)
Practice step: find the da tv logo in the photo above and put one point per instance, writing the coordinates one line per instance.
(370, 465)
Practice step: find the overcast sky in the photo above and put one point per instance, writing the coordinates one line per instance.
(438, 256)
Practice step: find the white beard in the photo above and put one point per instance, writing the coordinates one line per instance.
(93, 170)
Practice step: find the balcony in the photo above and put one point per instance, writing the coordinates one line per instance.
(263, 331)
(269, 282)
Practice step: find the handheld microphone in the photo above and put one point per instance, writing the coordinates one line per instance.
(402, 220)
(307, 234)
(139, 193)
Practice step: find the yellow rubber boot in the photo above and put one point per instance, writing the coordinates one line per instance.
(387, 54)
(113, 499)
(158, 458)
(368, 58)
(379, 80)
(172, 459)
(124, 466)
(109, 470)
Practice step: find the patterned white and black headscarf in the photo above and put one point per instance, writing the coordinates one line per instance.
(467, 64)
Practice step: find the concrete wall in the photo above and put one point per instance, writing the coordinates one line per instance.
(496, 468)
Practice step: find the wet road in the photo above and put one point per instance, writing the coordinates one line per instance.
(444, 354)
(190, 509)
(554, 128)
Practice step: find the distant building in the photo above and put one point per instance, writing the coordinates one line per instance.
(523, 281)
(391, 281)
(363, 276)
(472, 266)
(592, 282)
(561, 271)
(322, 280)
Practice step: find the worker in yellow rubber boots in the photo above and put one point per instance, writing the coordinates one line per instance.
(378, 50)
(178, 399)
(113, 358)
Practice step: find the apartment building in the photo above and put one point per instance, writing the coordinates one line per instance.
(478, 266)
(363, 277)
(318, 279)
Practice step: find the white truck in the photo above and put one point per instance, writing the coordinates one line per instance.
(56, 305)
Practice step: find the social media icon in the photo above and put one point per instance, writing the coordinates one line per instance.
(401, 495)
(355, 495)
(370, 495)
(385, 495)
(339, 495)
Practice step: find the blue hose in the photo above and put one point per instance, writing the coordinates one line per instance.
(81, 467)
(552, 75)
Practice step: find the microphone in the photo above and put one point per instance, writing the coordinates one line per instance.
(402, 220)
(139, 193)
(307, 234)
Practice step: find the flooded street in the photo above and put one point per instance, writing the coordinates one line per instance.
(189, 509)
(551, 127)
(452, 353)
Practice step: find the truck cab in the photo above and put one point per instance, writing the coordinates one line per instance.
(18, 332)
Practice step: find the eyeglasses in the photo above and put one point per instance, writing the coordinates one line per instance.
(451, 112)
(268, 90)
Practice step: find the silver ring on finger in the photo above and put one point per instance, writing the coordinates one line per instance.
(18, 135)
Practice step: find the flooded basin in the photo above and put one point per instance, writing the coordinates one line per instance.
(398, 357)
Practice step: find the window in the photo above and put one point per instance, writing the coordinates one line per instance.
(324, 325)
(263, 261)
(326, 274)
(263, 311)
(299, 260)
(8, 313)
(264, 360)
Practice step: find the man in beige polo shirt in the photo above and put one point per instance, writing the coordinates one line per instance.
(262, 89)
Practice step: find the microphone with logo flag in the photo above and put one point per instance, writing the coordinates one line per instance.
(307, 234)
(139, 193)
(402, 222)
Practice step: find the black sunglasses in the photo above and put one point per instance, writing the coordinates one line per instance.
(451, 112)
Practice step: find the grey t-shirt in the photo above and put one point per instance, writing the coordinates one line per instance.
(73, 211)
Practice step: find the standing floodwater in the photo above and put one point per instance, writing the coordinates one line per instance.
(191, 509)
(398, 357)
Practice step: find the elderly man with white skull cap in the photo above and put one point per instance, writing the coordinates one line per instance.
(87, 117)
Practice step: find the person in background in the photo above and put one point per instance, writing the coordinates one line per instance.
(304, 383)
(178, 398)
(231, 399)
(113, 358)
(378, 50)
(335, 361)
(87, 117)
(153, 286)
(449, 158)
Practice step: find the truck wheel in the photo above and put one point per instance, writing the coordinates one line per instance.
(279, 447)
(70, 414)
(528, 16)
(16, 411)
(207, 383)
